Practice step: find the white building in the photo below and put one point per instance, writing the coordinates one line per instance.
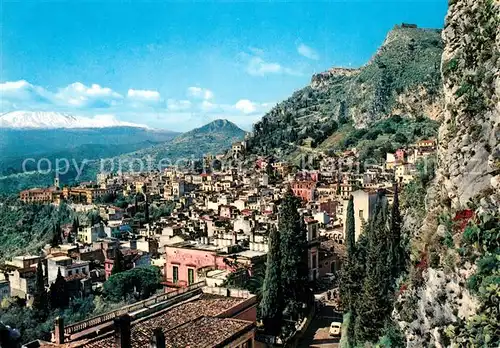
(67, 267)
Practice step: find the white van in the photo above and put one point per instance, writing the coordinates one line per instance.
(335, 328)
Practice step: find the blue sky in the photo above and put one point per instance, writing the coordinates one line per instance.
(178, 65)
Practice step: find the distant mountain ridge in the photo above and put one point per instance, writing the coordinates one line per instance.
(53, 120)
(212, 138)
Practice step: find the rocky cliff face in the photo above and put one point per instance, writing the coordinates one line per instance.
(323, 79)
(469, 142)
(452, 285)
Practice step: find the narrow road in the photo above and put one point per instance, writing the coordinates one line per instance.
(318, 332)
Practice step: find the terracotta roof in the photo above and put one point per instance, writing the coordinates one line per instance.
(78, 276)
(205, 332)
(333, 246)
(206, 305)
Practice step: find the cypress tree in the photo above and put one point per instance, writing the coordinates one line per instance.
(397, 253)
(56, 236)
(59, 295)
(118, 263)
(293, 249)
(146, 208)
(136, 204)
(350, 227)
(373, 308)
(75, 226)
(272, 305)
(70, 238)
(40, 301)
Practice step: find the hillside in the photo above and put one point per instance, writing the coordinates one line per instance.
(450, 296)
(90, 143)
(212, 138)
(403, 78)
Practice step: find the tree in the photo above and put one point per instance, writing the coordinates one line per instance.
(118, 263)
(146, 209)
(373, 310)
(75, 226)
(396, 250)
(40, 301)
(58, 294)
(94, 218)
(350, 227)
(70, 239)
(143, 280)
(136, 205)
(272, 305)
(293, 251)
(56, 236)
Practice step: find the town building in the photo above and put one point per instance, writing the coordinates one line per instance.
(22, 282)
(304, 189)
(197, 317)
(40, 195)
(364, 207)
(67, 266)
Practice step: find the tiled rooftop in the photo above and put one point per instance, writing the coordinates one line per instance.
(205, 332)
(142, 330)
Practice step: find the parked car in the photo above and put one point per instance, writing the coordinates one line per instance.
(335, 328)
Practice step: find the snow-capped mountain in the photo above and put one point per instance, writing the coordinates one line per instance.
(51, 120)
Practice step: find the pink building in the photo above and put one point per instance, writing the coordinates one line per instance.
(400, 155)
(304, 189)
(226, 211)
(185, 262)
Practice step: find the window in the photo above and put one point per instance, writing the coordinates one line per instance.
(70, 273)
(77, 271)
(190, 276)
(361, 214)
(314, 261)
(175, 274)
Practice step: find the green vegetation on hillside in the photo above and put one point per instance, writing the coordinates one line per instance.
(386, 136)
(408, 64)
(26, 228)
(37, 322)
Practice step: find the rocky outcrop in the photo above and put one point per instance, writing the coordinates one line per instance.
(437, 306)
(403, 78)
(324, 79)
(469, 138)
(442, 301)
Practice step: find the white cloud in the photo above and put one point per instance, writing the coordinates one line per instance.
(79, 95)
(307, 52)
(199, 92)
(256, 65)
(245, 106)
(143, 95)
(178, 105)
(134, 105)
(109, 120)
(208, 106)
(20, 92)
